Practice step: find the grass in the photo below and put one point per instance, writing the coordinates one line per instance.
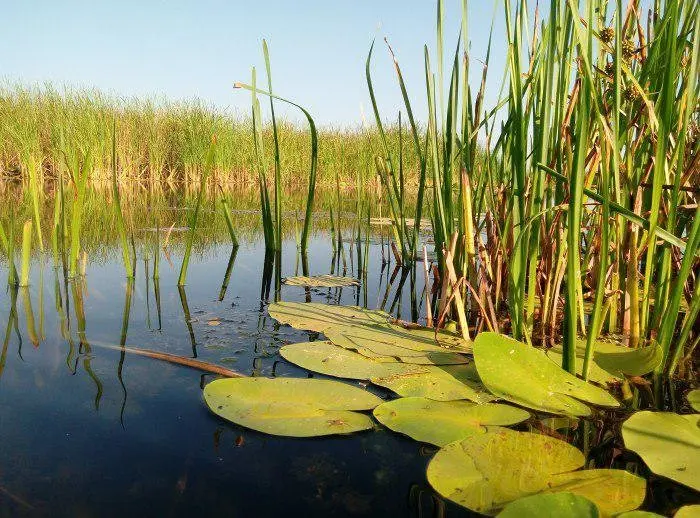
(588, 189)
(166, 141)
(567, 209)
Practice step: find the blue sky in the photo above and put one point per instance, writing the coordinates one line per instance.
(178, 50)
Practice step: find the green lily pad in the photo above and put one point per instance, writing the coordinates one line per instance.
(370, 333)
(313, 316)
(418, 345)
(321, 281)
(291, 407)
(404, 379)
(550, 505)
(443, 422)
(688, 511)
(524, 375)
(485, 472)
(694, 399)
(639, 514)
(611, 362)
(668, 443)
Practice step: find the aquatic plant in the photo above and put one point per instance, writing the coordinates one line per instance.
(272, 230)
(291, 406)
(573, 199)
(165, 141)
(209, 162)
(26, 253)
(119, 217)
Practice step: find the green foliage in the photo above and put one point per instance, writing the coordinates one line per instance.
(291, 407)
(443, 422)
(441, 384)
(159, 140)
(668, 443)
(551, 505)
(524, 375)
(485, 472)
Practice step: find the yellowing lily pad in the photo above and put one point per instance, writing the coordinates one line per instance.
(313, 316)
(668, 443)
(404, 379)
(639, 514)
(321, 281)
(443, 422)
(694, 399)
(550, 505)
(418, 345)
(612, 362)
(370, 333)
(688, 511)
(524, 375)
(291, 407)
(485, 472)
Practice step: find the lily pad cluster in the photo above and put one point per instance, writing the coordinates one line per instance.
(448, 389)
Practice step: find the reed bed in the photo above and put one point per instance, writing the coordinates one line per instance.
(165, 141)
(589, 190)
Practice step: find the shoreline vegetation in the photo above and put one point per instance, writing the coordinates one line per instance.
(578, 187)
(164, 141)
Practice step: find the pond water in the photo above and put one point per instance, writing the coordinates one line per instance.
(89, 431)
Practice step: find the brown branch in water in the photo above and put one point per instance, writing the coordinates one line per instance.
(16, 498)
(173, 358)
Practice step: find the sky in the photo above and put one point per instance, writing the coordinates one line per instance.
(178, 50)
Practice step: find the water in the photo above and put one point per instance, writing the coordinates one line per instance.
(89, 431)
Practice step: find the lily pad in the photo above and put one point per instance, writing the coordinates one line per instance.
(291, 407)
(404, 379)
(418, 345)
(313, 316)
(370, 333)
(694, 399)
(443, 422)
(485, 472)
(611, 362)
(668, 443)
(550, 505)
(524, 375)
(688, 511)
(639, 514)
(321, 281)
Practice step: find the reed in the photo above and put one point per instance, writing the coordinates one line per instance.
(26, 253)
(272, 226)
(162, 141)
(587, 191)
(79, 165)
(129, 268)
(209, 162)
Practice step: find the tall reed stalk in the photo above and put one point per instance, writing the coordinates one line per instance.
(26, 253)
(208, 164)
(129, 268)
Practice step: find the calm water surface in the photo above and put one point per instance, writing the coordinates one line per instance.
(89, 431)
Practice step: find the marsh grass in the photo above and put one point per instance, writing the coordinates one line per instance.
(587, 191)
(161, 141)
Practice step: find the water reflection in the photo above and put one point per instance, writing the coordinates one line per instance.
(69, 426)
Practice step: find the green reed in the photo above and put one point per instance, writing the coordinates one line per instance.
(162, 141)
(272, 225)
(587, 191)
(209, 163)
(129, 268)
(26, 253)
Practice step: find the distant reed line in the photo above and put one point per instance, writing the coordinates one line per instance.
(168, 141)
